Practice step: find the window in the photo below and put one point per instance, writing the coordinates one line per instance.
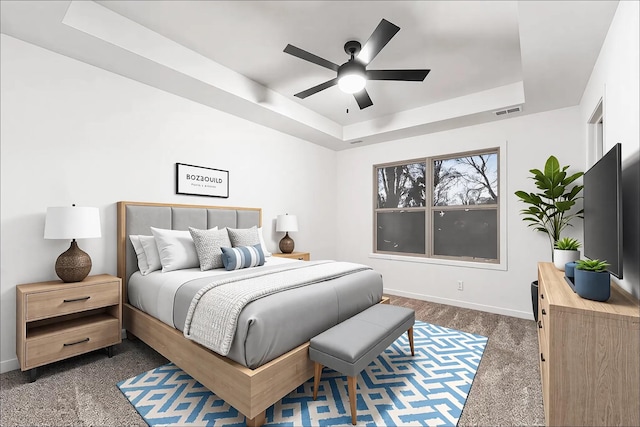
(439, 207)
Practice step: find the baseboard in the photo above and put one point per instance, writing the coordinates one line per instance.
(464, 304)
(9, 365)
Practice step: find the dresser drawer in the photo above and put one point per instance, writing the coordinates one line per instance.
(101, 331)
(42, 305)
(543, 307)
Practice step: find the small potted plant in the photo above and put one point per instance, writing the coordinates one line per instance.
(592, 280)
(565, 250)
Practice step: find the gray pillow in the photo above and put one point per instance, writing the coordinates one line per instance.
(208, 244)
(244, 236)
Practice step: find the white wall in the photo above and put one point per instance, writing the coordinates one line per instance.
(615, 80)
(530, 141)
(73, 133)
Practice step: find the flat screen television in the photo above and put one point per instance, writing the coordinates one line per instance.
(603, 210)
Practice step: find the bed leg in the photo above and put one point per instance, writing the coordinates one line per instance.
(258, 420)
(130, 336)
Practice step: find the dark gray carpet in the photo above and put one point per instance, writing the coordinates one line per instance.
(82, 391)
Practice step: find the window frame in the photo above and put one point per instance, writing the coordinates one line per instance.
(430, 208)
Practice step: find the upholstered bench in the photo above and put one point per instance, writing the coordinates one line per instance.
(352, 345)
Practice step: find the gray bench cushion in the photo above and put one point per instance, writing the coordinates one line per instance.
(351, 345)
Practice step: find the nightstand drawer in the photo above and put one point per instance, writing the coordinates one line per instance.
(301, 256)
(101, 331)
(46, 304)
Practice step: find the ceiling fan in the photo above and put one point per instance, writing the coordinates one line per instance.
(353, 75)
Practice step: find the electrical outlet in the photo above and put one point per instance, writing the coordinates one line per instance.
(460, 285)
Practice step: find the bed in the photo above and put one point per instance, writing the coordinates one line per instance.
(250, 383)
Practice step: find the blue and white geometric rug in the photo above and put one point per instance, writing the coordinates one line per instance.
(394, 390)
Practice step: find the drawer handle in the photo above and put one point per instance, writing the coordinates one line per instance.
(543, 311)
(300, 259)
(541, 296)
(540, 324)
(76, 299)
(542, 357)
(77, 342)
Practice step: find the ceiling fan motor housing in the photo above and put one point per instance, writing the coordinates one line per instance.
(352, 48)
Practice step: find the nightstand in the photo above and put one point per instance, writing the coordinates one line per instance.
(302, 256)
(56, 320)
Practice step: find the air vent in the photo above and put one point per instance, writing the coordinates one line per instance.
(356, 142)
(509, 110)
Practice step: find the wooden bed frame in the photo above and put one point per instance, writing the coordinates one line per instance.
(250, 391)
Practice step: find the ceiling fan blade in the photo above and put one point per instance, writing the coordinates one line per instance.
(403, 75)
(303, 54)
(379, 39)
(363, 99)
(316, 89)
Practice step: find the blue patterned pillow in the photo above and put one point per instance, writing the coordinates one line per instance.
(242, 257)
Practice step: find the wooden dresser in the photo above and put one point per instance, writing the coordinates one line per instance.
(589, 354)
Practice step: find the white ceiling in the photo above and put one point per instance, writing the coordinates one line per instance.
(483, 55)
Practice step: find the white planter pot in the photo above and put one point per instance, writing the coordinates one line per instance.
(561, 257)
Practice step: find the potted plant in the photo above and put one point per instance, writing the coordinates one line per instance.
(565, 250)
(592, 280)
(549, 210)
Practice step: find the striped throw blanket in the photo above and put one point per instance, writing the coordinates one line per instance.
(213, 314)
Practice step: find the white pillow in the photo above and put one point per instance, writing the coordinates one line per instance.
(137, 247)
(176, 249)
(147, 262)
(264, 247)
(151, 252)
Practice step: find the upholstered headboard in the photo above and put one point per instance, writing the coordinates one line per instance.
(138, 217)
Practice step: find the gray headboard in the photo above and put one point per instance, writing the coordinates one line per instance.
(138, 217)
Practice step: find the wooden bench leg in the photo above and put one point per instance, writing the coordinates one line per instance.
(410, 332)
(352, 383)
(316, 379)
(258, 420)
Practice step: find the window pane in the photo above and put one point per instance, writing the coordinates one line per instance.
(466, 233)
(401, 232)
(402, 186)
(471, 180)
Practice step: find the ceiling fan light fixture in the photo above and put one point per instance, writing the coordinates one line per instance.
(352, 83)
(351, 77)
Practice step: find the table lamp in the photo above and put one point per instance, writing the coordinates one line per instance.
(72, 222)
(286, 223)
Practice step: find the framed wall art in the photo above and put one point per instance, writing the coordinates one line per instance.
(201, 181)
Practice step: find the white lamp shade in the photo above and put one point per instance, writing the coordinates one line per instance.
(287, 223)
(72, 222)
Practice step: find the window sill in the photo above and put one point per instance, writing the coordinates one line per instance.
(502, 266)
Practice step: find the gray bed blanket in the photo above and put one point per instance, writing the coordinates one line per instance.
(213, 314)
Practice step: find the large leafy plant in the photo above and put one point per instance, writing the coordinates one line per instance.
(549, 210)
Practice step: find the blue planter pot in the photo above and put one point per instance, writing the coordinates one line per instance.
(570, 269)
(592, 285)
